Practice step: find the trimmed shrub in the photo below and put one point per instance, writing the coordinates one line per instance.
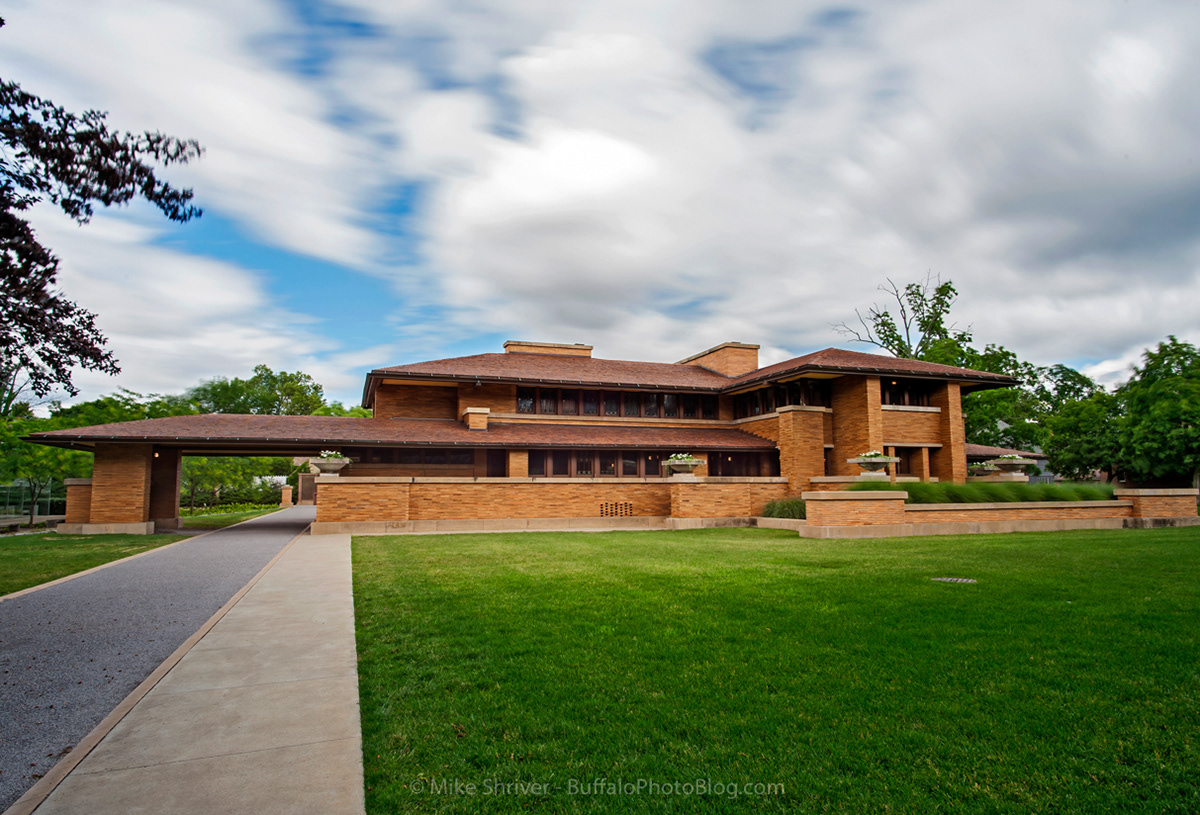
(784, 508)
(993, 493)
(223, 509)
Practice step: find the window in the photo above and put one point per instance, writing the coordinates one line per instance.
(708, 407)
(537, 462)
(612, 404)
(632, 404)
(561, 462)
(690, 403)
(570, 403)
(526, 400)
(650, 404)
(462, 457)
(547, 400)
(435, 456)
(409, 457)
(584, 465)
(591, 403)
(670, 405)
(608, 463)
(652, 464)
(629, 463)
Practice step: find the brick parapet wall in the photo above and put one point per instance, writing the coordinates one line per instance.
(855, 508)
(79, 500)
(121, 484)
(801, 446)
(496, 397)
(904, 426)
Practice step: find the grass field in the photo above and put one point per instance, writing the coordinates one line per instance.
(1067, 679)
(30, 560)
(220, 520)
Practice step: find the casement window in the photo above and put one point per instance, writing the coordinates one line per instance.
(773, 397)
(596, 463)
(630, 404)
(412, 457)
(911, 392)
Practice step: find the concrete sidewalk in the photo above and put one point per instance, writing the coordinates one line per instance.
(260, 716)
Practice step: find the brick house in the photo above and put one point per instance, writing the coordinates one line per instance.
(546, 431)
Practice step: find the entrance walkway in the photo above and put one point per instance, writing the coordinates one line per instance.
(70, 653)
(259, 717)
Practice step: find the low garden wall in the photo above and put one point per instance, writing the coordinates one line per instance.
(381, 504)
(883, 513)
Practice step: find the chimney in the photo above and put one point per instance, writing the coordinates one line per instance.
(521, 347)
(728, 358)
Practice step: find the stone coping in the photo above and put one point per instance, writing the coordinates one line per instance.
(1018, 505)
(333, 479)
(77, 482)
(912, 408)
(853, 479)
(1156, 493)
(856, 495)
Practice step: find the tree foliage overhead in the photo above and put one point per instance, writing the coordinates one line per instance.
(73, 161)
(921, 332)
(266, 393)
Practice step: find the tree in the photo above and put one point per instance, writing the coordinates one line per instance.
(338, 409)
(1161, 434)
(1003, 417)
(922, 332)
(74, 162)
(265, 393)
(1084, 435)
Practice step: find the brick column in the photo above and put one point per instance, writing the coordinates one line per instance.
(921, 464)
(79, 500)
(1161, 503)
(950, 462)
(801, 445)
(857, 420)
(166, 476)
(863, 508)
(285, 496)
(121, 484)
(518, 463)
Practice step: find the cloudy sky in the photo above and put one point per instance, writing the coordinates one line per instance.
(387, 181)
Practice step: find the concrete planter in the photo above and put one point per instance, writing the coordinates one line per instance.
(874, 464)
(1010, 465)
(684, 466)
(328, 466)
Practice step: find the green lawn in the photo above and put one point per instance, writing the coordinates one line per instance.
(1067, 679)
(30, 560)
(221, 520)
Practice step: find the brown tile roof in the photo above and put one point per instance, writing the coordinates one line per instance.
(983, 451)
(588, 371)
(302, 433)
(839, 360)
(562, 369)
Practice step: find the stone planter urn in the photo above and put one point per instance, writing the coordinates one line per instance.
(1012, 466)
(328, 466)
(873, 464)
(683, 466)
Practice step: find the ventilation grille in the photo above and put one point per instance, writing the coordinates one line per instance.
(616, 509)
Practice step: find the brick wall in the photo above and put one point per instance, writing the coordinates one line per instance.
(351, 501)
(1024, 511)
(498, 398)
(518, 463)
(764, 428)
(716, 500)
(121, 484)
(79, 501)
(902, 427)
(416, 402)
(854, 508)
(857, 421)
(949, 462)
(1161, 503)
(731, 361)
(433, 501)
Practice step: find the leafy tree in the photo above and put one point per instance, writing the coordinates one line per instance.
(73, 162)
(1002, 417)
(1161, 434)
(338, 409)
(267, 392)
(1084, 435)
